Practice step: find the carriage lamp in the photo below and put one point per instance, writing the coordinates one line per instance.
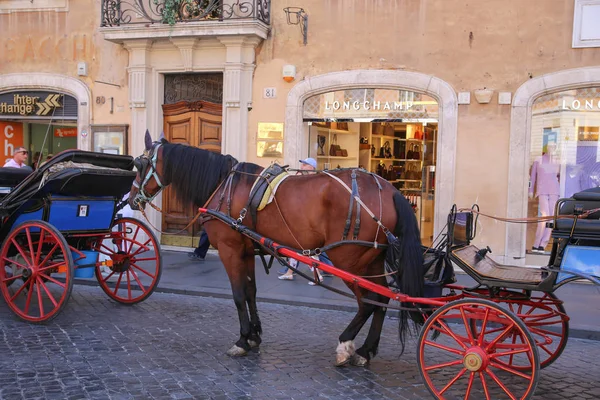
(297, 16)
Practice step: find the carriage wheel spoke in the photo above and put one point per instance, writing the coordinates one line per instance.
(108, 277)
(495, 378)
(12, 278)
(544, 332)
(147, 259)
(38, 254)
(470, 385)
(484, 384)
(39, 296)
(143, 270)
(510, 370)
(442, 347)
(545, 348)
(118, 284)
(469, 333)
(457, 377)
(444, 365)
(49, 255)
(137, 280)
(53, 266)
(452, 334)
(508, 353)
(142, 247)
(29, 292)
(128, 286)
(499, 337)
(51, 279)
(133, 239)
(14, 262)
(483, 326)
(18, 292)
(21, 252)
(30, 244)
(42, 284)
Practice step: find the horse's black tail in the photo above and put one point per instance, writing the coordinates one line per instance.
(405, 257)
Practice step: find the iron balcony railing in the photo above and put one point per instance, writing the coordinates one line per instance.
(128, 12)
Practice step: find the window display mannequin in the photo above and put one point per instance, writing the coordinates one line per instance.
(545, 182)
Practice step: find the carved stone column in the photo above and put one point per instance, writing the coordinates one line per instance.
(237, 94)
(140, 90)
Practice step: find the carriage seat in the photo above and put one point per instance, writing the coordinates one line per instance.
(580, 202)
(11, 177)
(592, 194)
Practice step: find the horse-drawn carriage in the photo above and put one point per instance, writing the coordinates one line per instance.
(487, 341)
(61, 222)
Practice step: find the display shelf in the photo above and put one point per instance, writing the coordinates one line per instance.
(335, 158)
(335, 131)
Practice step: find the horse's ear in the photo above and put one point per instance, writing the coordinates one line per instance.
(162, 138)
(148, 140)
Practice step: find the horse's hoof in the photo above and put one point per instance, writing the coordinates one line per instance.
(358, 361)
(253, 344)
(342, 360)
(344, 353)
(236, 351)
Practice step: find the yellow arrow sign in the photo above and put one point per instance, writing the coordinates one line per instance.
(52, 100)
(43, 109)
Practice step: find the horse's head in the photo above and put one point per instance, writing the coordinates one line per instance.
(148, 182)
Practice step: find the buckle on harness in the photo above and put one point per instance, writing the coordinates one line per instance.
(243, 213)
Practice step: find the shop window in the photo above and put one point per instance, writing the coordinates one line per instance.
(392, 133)
(111, 139)
(37, 5)
(586, 29)
(564, 154)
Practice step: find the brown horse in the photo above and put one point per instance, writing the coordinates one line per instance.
(309, 212)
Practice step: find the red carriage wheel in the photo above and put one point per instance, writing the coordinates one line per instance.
(133, 258)
(546, 320)
(472, 364)
(36, 271)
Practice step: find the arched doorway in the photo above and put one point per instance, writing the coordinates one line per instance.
(520, 146)
(296, 136)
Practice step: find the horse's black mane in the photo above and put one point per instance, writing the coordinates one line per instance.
(193, 173)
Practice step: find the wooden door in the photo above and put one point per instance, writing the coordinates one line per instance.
(196, 124)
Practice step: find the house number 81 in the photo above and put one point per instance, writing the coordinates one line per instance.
(270, 93)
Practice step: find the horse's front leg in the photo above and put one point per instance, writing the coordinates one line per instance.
(236, 267)
(255, 326)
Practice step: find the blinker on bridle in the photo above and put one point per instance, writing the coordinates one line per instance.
(146, 166)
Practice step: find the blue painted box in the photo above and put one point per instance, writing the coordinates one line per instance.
(81, 214)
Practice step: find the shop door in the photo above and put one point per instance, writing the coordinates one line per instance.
(195, 124)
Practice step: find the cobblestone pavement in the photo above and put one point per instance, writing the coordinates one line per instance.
(173, 346)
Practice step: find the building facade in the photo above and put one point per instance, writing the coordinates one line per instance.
(452, 101)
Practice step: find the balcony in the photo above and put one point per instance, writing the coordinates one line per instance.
(152, 19)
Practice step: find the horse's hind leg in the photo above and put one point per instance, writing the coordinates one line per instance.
(254, 339)
(345, 348)
(369, 347)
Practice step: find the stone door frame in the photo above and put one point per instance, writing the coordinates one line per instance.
(296, 136)
(520, 143)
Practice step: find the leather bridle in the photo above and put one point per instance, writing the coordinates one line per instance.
(146, 166)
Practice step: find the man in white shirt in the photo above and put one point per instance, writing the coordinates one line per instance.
(19, 158)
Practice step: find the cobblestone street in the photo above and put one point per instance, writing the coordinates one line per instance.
(173, 346)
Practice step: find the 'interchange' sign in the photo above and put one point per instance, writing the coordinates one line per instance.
(23, 104)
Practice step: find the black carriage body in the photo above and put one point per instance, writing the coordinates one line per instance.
(77, 192)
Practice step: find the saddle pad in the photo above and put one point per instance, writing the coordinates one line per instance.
(488, 268)
(270, 191)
